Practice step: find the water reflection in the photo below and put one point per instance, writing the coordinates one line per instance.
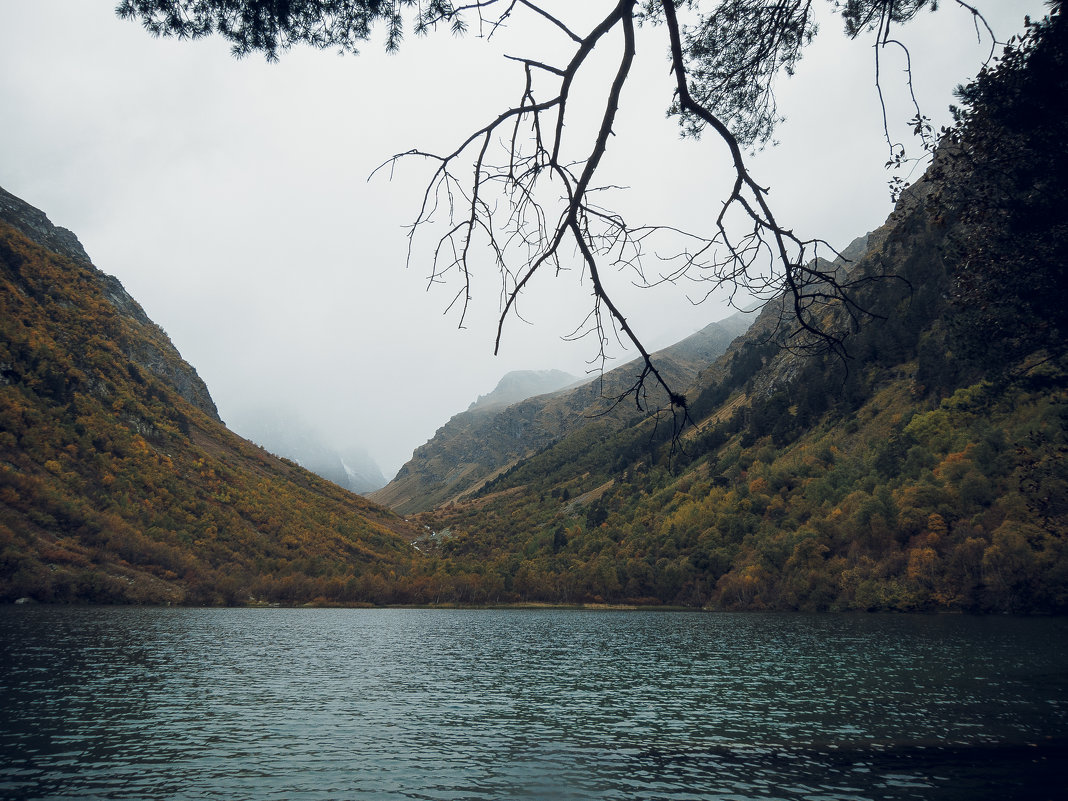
(444, 704)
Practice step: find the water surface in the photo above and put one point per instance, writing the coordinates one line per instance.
(500, 704)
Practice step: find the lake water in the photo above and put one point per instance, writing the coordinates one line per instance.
(147, 703)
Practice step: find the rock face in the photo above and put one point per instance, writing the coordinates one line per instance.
(478, 444)
(773, 319)
(907, 246)
(35, 224)
(151, 349)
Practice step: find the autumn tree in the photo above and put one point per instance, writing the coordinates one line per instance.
(522, 189)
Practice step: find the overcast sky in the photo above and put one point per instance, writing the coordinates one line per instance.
(231, 197)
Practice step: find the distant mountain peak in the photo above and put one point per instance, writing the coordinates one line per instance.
(518, 385)
(286, 432)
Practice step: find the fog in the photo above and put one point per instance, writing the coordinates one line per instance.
(232, 198)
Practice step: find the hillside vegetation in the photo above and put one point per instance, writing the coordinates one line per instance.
(926, 472)
(476, 445)
(115, 487)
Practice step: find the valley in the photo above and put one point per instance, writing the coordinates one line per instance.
(913, 463)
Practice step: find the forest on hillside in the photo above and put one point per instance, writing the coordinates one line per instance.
(116, 489)
(923, 469)
(925, 472)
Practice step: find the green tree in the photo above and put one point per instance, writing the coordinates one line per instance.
(1010, 299)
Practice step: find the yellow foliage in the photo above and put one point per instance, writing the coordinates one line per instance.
(923, 565)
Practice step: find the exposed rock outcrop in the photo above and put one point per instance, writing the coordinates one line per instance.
(151, 349)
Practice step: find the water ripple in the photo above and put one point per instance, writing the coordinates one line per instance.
(458, 704)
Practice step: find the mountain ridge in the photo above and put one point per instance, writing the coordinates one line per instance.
(476, 445)
(518, 385)
(152, 350)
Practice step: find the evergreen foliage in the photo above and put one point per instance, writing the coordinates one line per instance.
(1009, 286)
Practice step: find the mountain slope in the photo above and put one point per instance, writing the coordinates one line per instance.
(117, 480)
(140, 341)
(477, 444)
(928, 471)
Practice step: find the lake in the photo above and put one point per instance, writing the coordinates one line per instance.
(151, 703)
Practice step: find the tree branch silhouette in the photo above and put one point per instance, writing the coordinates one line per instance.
(508, 193)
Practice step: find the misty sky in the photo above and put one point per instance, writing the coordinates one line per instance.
(232, 199)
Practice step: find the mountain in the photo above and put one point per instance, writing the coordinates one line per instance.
(492, 435)
(363, 473)
(283, 432)
(924, 469)
(150, 349)
(519, 385)
(118, 482)
(921, 466)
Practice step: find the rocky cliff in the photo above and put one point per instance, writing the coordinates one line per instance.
(144, 343)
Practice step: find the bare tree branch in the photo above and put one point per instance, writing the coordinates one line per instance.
(545, 208)
(534, 148)
(508, 193)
